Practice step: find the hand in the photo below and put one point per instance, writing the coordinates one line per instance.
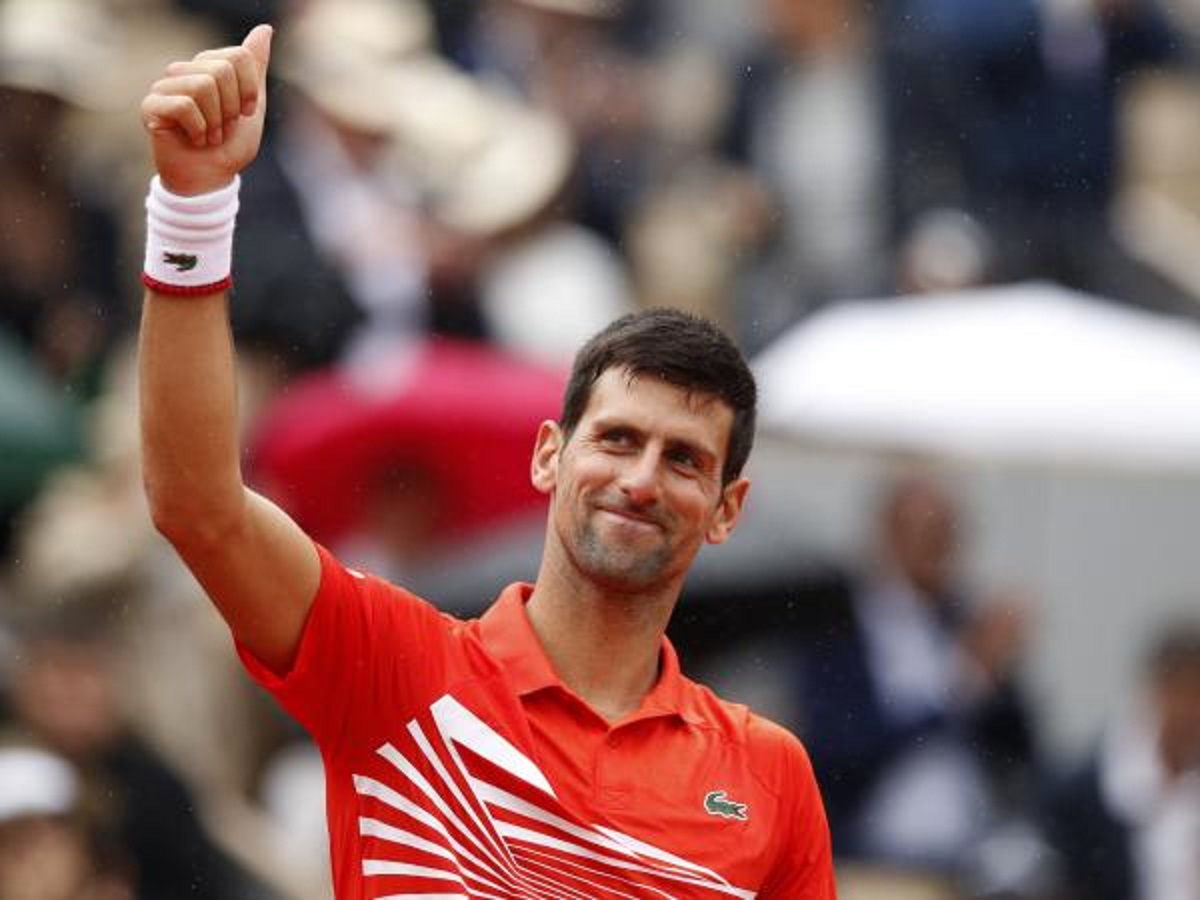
(996, 636)
(205, 116)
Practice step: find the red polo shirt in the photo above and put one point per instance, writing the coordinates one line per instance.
(459, 765)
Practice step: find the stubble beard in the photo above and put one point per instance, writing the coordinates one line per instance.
(618, 565)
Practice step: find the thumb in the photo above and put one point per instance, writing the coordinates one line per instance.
(258, 42)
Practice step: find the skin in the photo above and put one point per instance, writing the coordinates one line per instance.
(812, 25)
(204, 119)
(635, 490)
(920, 534)
(65, 693)
(43, 859)
(1176, 695)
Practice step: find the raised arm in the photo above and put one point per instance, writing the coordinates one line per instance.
(205, 121)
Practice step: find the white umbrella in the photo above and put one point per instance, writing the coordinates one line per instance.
(1029, 372)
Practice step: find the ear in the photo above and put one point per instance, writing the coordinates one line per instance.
(733, 496)
(543, 468)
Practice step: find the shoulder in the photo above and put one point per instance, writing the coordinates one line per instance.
(775, 755)
(350, 592)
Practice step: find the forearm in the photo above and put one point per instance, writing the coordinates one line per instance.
(205, 119)
(190, 453)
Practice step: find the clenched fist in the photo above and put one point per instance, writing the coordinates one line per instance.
(205, 116)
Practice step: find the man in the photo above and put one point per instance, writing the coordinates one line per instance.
(1126, 822)
(908, 694)
(66, 700)
(550, 748)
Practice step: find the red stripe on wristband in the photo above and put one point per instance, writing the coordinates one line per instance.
(180, 290)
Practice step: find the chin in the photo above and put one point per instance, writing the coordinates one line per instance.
(620, 570)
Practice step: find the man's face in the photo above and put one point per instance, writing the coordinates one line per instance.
(923, 537)
(43, 858)
(65, 693)
(1178, 698)
(636, 490)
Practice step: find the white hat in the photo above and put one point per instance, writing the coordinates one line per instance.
(56, 47)
(337, 52)
(35, 783)
(485, 160)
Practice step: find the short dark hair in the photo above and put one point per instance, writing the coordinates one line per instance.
(681, 349)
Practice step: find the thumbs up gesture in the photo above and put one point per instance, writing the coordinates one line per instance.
(205, 116)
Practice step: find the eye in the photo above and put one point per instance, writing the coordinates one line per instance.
(684, 457)
(616, 438)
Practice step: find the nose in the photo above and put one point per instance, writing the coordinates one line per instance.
(639, 479)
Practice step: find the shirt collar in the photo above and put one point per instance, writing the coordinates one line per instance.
(510, 640)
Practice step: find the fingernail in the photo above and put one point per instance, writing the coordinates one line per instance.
(248, 107)
(216, 136)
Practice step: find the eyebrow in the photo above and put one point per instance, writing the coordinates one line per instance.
(705, 458)
(708, 457)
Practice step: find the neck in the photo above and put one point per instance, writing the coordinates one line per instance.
(603, 644)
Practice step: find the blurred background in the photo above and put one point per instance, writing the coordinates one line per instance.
(958, 240)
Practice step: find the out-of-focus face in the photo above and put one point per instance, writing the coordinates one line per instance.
(42, 858)
(808, 24)
(921, 536)
(1177, 695)
(66, 695)
(636, 488)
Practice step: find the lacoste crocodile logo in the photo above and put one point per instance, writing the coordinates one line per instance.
(183, 262)
(716, 803)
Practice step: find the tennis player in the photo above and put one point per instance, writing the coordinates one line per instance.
(551, 748)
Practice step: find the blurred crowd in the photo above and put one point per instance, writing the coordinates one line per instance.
(452, 195)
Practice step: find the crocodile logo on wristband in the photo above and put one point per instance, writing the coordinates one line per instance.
(183, 262)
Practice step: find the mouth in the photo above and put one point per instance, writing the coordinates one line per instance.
(628, 517)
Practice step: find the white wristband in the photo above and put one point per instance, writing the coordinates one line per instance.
(189, 240)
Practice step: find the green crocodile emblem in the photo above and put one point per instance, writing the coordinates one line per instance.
(183, 262)
(716, 803)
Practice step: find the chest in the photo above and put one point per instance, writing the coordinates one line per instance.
(524, 799)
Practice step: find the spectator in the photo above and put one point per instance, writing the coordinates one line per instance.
(398, 196)
(65, 699)
(908, 695)
(809, 121)
(492, 172)
(1126, 823)
(58, 238)
(48, 851)
(568, 56)
(327, 228)
(1009, 111)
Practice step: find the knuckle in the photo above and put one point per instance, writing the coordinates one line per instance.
(210, 54)
(204, 85)
(224, 72)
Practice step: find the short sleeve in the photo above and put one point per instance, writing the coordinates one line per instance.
(804, 856)
(368, 649)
